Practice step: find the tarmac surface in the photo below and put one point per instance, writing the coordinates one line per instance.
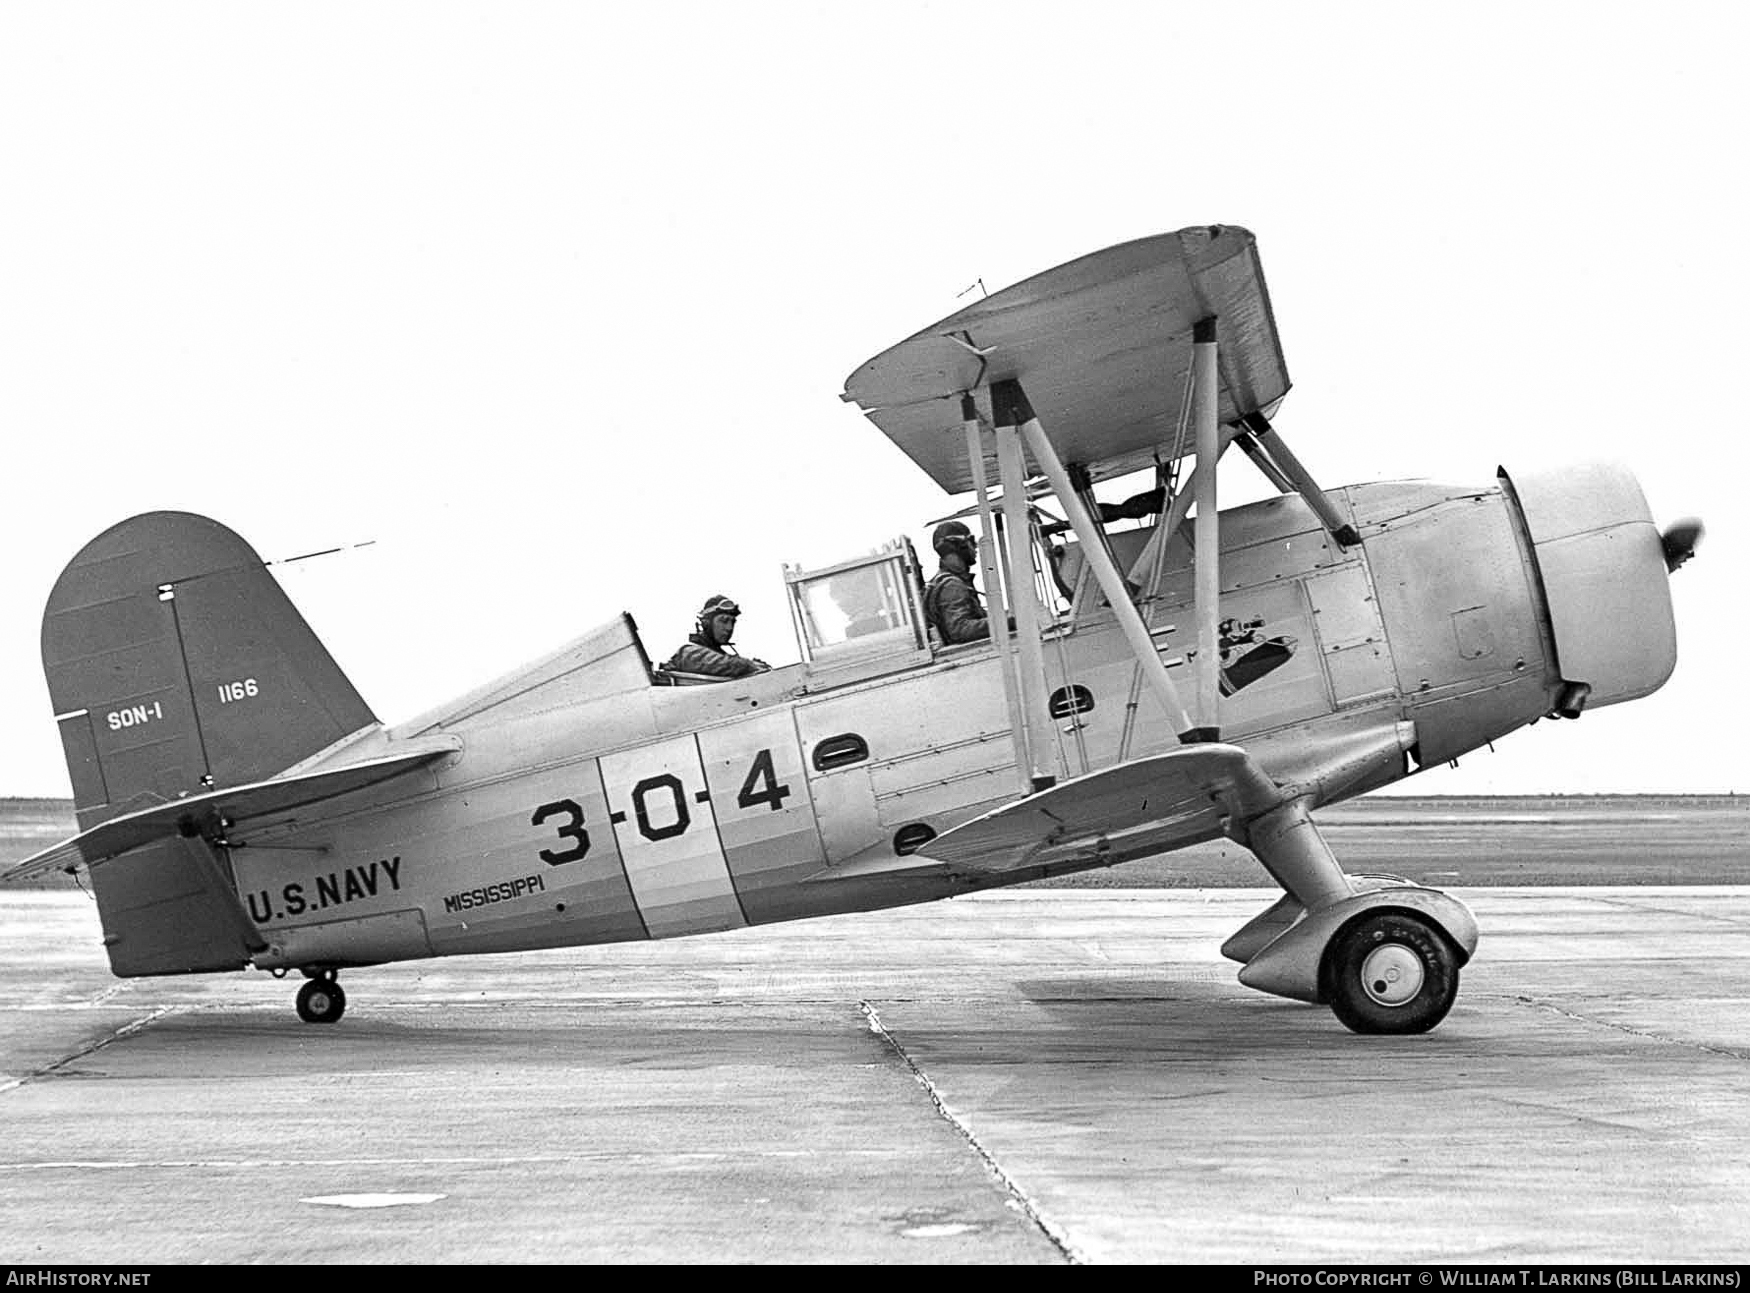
(1027, 1076)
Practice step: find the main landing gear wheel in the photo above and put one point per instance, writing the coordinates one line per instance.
(1390, 972)
(321, 1001)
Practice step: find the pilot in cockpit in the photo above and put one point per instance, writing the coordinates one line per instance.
(951, 603)
(708, 651)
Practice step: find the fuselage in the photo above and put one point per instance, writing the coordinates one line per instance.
(585, 815)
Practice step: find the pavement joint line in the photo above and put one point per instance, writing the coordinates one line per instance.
(1549, 1007)
(126, 1030)
(1624, 900)
(615, 1156)
(1051, 1231)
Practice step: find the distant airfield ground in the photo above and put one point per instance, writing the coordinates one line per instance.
(1464, 841)
(1444, 841)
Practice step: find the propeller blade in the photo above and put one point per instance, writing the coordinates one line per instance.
(1680, 540)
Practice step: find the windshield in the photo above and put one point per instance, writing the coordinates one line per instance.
(852, 604)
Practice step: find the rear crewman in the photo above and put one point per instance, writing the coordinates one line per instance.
(708, 651)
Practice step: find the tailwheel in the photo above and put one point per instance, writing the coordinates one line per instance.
(321, 1001)
(1390, 972)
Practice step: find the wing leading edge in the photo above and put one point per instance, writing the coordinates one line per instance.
(1148, 806)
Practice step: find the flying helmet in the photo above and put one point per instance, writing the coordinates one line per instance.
(949, 533)
(718, 605)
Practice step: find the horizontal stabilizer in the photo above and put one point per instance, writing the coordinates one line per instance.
(185, 816)
(1148, 806)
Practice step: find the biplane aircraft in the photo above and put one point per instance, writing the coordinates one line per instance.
(1168, 674)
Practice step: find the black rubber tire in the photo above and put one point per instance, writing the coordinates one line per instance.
(321, 1001)
(1362, 1011)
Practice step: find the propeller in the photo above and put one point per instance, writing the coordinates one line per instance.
(1680, 540)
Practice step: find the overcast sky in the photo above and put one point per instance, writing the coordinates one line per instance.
(554, 302)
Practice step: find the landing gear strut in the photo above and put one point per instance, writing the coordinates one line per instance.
(321, 1001)
(1383, 954)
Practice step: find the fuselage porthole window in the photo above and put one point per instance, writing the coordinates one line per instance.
(840, 752)
(1074, 699)
(911, 837)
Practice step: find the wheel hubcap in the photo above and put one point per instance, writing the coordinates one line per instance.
(1392, 975)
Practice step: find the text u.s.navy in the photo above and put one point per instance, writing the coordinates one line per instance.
(332, 889)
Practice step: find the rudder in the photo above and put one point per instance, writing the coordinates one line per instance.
(177, 664)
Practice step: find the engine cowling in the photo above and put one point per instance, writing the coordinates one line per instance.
(1602, 567)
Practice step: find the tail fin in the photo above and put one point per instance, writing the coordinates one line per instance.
(177, 664)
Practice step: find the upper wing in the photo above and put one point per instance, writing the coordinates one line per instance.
(1102, 346)
(1148, 806)
(181, 816)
